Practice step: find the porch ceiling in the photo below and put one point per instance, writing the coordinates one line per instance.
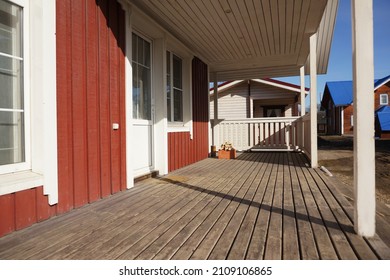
(249, 38)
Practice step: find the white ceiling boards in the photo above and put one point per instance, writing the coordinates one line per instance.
(242, 39)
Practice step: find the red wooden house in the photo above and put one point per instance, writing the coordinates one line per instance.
(338, 103)
(94, 93)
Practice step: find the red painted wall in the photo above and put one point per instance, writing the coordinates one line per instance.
(182, 150)
(348, 127)
(383, 89)
(90, 97)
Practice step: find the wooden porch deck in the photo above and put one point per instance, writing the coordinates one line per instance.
(259, 206)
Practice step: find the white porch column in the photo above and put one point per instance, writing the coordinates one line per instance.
(215, 126)
(363, 107)
(303, 104)
(128, 94)
(313, 100)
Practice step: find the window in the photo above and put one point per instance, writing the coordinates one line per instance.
(273, 112)
(351, 120)
(14, 155)
(174, 88)
(383, 99)
(142, 94)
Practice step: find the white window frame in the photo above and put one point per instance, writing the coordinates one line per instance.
(351, 120)
(39, 45)
(26, 164)
(172, 89)
(387, 99)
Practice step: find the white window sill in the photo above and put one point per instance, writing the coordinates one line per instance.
(178, 128)
(18, 181)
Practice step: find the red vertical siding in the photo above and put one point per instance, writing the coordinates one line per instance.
(122, 98)
(64, 107)
(7, 214)
(92, 103)
(79, 104)
(25, 208)
(90, 97)
(182, 150)
(114, 98)
(104, 102)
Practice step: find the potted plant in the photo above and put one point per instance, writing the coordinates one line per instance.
(226, 151)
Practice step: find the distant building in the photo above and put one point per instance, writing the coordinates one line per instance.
(382, 122)
(256, 98)
(338, 104)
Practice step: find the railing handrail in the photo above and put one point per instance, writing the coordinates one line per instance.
(260, 120)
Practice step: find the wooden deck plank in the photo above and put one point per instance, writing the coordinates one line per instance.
(290, 232)
(241, 243)
(260, 206)
(228, 237)
(307, 244)
(228, 207)
(257, 245)
(70, 223)
(126, 243)
(171, 239)
(192, 243)
(358, 244)
(100, 228)
(323, 241)
(56, 223)
(338, 238)
(125, 209)
(213, 185)
(273, 250)
(176, 243)
(163, 210)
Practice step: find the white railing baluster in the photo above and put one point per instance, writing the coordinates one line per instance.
(282, 134)
(266, 133)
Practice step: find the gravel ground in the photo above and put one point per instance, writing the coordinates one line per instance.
(336, 154)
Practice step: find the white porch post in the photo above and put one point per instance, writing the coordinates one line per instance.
(128, 94)
(363, 107)
(313, 100)
(303, 109)
(215, 126)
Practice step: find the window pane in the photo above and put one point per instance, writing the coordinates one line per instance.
(178, 106)
(12, 137)
(169, 107)
(384, 99)
(177, 72)
(11, 81)
(135, 91)
(145, 93)
(11, 85)
(140, 50)
(141, 80)
(10, 29)
(134, 47)
(146, 54)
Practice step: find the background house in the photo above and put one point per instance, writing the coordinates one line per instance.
(338, 103)
(382, 122)
(256, 98)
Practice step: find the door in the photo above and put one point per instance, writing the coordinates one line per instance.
(142, 106)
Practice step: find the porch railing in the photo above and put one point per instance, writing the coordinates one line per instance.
(285, 133)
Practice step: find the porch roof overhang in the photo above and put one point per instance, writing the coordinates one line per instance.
(249, 39)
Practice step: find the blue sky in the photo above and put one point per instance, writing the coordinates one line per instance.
(340, 61)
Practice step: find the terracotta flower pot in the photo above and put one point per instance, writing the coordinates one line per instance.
(222, 154)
